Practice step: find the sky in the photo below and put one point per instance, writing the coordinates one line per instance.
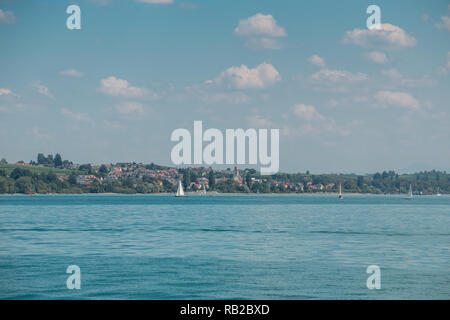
(345, 98)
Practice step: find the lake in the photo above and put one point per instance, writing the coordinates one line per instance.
(224, 246)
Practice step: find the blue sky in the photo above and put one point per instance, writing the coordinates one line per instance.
(345, 99)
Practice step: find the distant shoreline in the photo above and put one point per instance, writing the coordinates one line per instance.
(215, 193)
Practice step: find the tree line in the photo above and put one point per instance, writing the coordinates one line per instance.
(23, 180)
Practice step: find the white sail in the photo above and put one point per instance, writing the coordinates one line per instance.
(204, 189)
(180, 192)
(409, 193)
(340, 191)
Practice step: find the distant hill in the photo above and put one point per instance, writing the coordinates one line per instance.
(8, 168)
(420, 167)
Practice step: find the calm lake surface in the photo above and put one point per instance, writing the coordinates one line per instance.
(224, 246)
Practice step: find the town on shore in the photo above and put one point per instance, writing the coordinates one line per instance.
(52, 174)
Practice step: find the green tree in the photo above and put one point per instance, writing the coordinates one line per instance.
(50, 161)
(211, 180)
(360, 181)
(103, 170)
(187, 178)
(128, 182)
(3, 161)
(72, 179)
(41, 159)
(42, 187)
(58, 160)
(51, 177)
(86, 167)
(24, 185)
(3, 185)
(248, 179)
(20, 172)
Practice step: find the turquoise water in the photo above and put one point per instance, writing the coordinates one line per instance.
(224, 246)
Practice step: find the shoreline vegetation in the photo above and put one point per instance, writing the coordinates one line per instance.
(52, 175)
(215, 193)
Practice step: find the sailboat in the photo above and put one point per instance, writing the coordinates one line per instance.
(180, 192)
(340, 192)
(438, 194)
(204, 189)
(410, 195)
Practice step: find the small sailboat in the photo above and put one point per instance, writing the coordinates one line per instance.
(180, 192)
(438, 194)
(340, 192)
(410, 195)
(204, 189)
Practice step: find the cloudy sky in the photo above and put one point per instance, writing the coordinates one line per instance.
(345, 99)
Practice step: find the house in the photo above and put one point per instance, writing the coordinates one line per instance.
(87, 179)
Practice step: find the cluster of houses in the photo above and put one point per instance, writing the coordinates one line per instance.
(136, 172)
(172, 175)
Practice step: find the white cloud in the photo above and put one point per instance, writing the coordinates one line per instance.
(257, 121)
(75, 115)
(338, 76)
(377, 57)
(43, 89)
(314, 123)
(317, 61)
(130, 108)
(306, 112)
(156, 1)
(388, 36)
(119, 87)
(243, 77)
(397, 98)
(398, 78)
(71, 73)
(7, 17)
(262, 32)
(4, 91)
(336, 80)
(260, 25)
(445, 23)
